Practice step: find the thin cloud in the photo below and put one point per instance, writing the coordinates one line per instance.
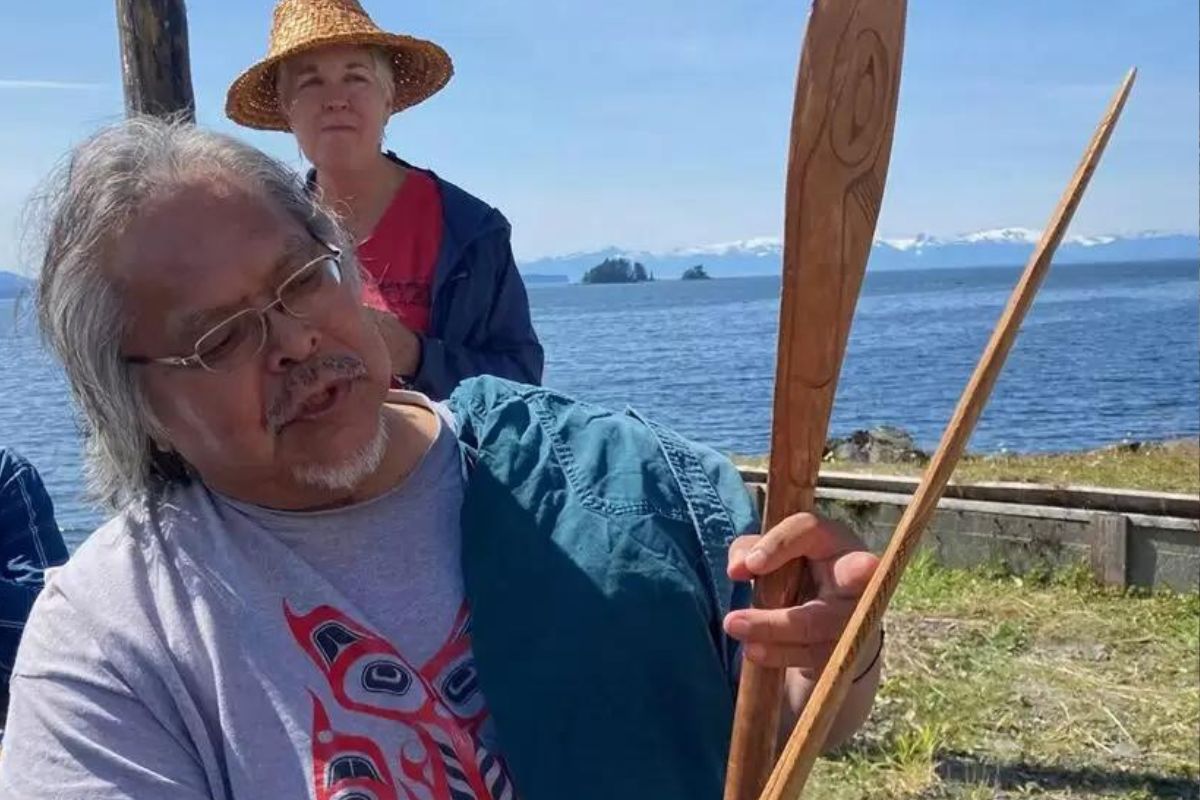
(6, 83)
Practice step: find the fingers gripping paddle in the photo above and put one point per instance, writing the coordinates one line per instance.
(787, 780)
(841, 140)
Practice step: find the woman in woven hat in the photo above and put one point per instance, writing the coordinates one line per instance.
(451, 301)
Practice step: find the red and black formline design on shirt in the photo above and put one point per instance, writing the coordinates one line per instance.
(348, 767)
(438, 711)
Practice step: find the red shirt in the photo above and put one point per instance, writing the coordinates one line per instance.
(400, 254)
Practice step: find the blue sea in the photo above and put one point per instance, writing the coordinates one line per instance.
(1108, 353)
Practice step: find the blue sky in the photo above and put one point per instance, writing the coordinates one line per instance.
(660, 123)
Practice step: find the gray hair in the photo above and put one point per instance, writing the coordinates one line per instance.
(90, 200)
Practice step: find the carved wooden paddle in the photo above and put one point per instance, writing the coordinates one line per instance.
(841, 140)
(787, 780)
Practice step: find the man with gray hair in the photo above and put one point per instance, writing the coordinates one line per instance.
(314, 587)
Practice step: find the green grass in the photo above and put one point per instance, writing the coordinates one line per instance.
(1004, 687)
(1173, 467)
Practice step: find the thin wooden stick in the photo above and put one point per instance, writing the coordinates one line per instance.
(841, 140)
(787, 781)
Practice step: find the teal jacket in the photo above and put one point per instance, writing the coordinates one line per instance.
(594, 555)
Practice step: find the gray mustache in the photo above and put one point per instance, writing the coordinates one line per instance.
(306, 375)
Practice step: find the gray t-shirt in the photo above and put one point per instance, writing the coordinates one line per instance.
(207, 648)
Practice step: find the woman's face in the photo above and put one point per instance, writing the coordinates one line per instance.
(335, 105)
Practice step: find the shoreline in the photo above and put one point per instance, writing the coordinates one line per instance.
(1169, 465)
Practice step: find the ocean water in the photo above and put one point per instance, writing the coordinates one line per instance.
(1108, 353)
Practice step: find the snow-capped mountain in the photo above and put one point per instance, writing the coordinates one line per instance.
(1012, 246)
(760, 246)
(996, 247)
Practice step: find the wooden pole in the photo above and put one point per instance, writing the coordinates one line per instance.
(154, 58)
(841, 141)
(787, 781)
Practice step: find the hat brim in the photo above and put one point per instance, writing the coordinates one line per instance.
(419, 69)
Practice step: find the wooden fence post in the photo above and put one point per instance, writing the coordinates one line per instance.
(1110, 549)
(154, 58)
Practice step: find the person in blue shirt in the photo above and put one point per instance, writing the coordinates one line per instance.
(29, 543)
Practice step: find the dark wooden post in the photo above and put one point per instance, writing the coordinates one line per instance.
(1110, 549)
(154, 58)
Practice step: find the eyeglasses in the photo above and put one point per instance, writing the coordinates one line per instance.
(234, 341)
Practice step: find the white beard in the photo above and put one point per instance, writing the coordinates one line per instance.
(352, 471)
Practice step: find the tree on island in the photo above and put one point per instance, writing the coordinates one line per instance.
(617, 270)
(696, 273)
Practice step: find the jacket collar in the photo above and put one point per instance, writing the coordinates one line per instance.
(465, 218)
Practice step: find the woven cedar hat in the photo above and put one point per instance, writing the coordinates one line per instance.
(420, 68)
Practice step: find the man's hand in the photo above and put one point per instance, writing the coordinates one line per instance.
(403, 345)
(800, 636)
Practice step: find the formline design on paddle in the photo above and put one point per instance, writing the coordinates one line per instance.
(841, 138)
(801, 752)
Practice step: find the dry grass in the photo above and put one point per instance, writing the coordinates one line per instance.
(999, 688)
(1171, 467)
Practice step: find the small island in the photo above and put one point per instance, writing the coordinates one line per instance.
(696, 273)
(618, 270)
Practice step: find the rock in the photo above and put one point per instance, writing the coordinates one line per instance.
(1122, 447)
(883, 445)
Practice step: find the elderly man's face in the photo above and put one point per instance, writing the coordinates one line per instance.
(307, 404)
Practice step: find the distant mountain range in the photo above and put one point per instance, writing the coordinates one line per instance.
(761, 256)
(999, 247)
(11, 284)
